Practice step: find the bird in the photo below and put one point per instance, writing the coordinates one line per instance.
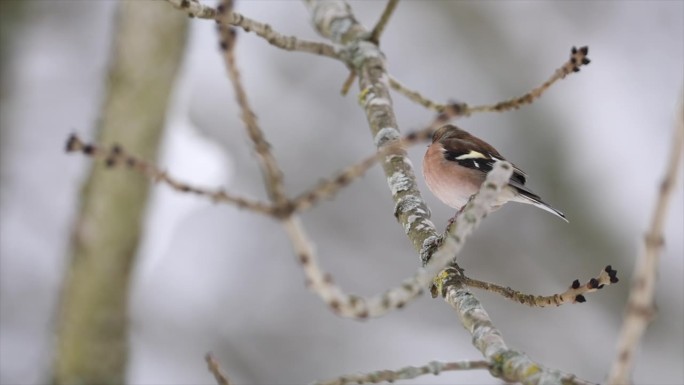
(456, 163)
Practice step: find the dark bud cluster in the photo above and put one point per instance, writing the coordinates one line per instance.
(578, 57)
(612, 274)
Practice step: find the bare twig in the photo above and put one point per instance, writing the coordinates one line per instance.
(384, 19)
(405, 373)
(288, 43)
(640, 308)
(321, 283)
(348, 82)
(578, 58)
(194, 8)
(574, 294)
(327, 188)
(273, 177)
(117, 155)
(215, 369)
(414, 96)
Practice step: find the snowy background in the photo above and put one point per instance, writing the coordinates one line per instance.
(214, 278)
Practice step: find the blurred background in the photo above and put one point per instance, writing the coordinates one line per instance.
(214, 278)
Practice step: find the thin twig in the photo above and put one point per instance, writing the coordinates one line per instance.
(405, 373)
(574, 294)
(289, 43)
(348, 82)
(640, 307)
(194, 8)
(414, 96)
(578, 58)
(117, 156)
(327, 188)
(273, 177)
(382, 22)
(215, 369)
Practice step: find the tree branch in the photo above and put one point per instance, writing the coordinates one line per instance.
(574, 294)
(194, 8)
(93, 320)
(118, 156)
(353, 306)
(335, 21)
(640, 307)
(405, 373)
(578, 58)
(384, 19)
(273, 176)
(507, 364)
(215, 369)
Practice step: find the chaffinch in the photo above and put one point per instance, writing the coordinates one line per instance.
(456, 164)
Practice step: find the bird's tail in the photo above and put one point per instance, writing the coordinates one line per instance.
(529, 197)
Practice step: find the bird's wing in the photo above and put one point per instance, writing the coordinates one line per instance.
(483, 162)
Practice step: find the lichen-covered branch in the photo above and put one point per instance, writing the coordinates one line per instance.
(92, 329)
(640, 307)
(406, 373)
(334, 20)
(507, 364)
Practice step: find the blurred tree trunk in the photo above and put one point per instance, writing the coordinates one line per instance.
(149, 40)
